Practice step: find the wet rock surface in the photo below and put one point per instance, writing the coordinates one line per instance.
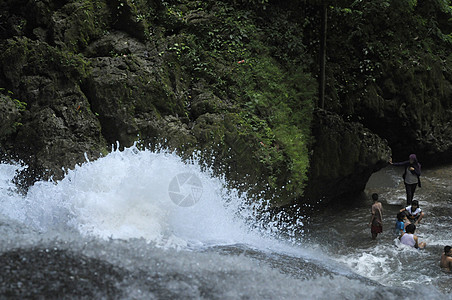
(51, 273)
(345, 154)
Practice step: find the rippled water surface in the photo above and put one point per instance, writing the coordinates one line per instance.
(344, 231)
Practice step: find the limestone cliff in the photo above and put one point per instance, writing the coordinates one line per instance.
(77, 76)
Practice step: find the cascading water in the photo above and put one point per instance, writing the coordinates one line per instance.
(138, 224)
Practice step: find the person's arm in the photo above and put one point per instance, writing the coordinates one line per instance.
(415, 171)
(416, 245)
(401, 228)
(380, 219)
(403, 163)
(403, 209)
(380, 211)
(372, 217)
(400, 232)
(421, 215)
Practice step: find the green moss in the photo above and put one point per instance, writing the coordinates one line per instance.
(231, 53)
(20, 105)
(279, 113)
(86, 20)
(33, 57)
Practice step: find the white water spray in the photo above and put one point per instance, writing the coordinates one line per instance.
(138, 194)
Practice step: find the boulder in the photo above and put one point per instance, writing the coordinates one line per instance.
(344, 156)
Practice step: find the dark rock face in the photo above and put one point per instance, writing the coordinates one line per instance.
(10, 115)
(57, 127)
(78, 76)
(119, 87)
(418, 121)
(345, 154)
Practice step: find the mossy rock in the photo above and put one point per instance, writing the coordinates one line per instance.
(11, 117)
(79, 22)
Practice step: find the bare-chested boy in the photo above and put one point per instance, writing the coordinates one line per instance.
(376, 220)
(446, 259)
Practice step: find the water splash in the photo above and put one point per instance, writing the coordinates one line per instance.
(119, 209)
(136, 193)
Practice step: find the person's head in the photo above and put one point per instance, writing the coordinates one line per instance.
(375, 196)
(414, 204)
(401, 216)
(405, 214)
(447, 250)
(410, 228)
(413, 158)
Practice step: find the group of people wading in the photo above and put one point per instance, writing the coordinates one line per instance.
(409, 216)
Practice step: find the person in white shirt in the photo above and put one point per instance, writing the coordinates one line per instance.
(408, 238)
(414, 212)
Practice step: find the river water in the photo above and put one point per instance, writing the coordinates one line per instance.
(138, 224)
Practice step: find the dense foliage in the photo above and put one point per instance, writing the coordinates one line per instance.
(234, 77)
(393, 48)
(261, 67)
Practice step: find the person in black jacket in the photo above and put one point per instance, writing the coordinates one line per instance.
(411, 176)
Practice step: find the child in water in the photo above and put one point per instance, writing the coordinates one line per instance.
(401, 223)
(408, 238)
(414, 212)
(376, 220)
(446, 259)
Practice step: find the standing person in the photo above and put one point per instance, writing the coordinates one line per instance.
(411, 176)
(446, 259)
(415, 213)
(376, 220)
(408, 238)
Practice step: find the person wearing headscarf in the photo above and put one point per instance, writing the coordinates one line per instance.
(411, 176)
